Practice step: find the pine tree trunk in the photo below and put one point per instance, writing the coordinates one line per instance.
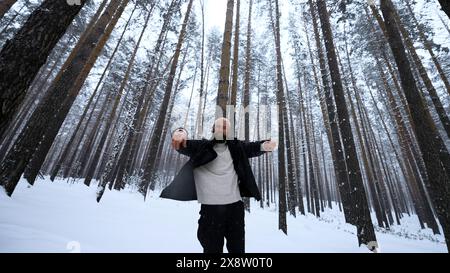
(427, 46)
(5, 5)
(28, 106)
(168, 116)
(405, 140)
(433, 149)
(294, 185)
(23, 56)
(365, 230)
(66, 151)
(158, 127)
(41, 152)
(326, 180)
(422, 71)
(234, 82)
(340, 166)
(314, 195)
(447, 28)
(149, 88)
(445, 5)
(10, 21)
(248, 57)
(292, 193)
(108, 176)
(82, 159)
(325, 82)
(368, 164)
(72, 54)
(53, 109)
(408, 145)
(38, 158)
(282, 122)
(199, 129)
(246, 91)
(224, 74)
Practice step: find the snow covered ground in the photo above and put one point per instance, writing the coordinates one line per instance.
(65, 217)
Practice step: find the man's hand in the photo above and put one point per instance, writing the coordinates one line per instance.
(269, 146)
(179, 139)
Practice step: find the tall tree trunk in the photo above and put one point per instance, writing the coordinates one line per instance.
(23, 56)
(199, 129)
(66, 151)
(422, 71)
(433, 149)
(109, 173)
(5, 5)
(444, 23)
(234, 82)
(10, 21)
(340, 166)
(365, 230)
(413, 178)
(325, 82)
(282, 122)
(427, 46)
(445, 5)
(246, 93)
(224, 74)
(39, 156)
(150, 88)
(374, 179)
(35, 96)
(158, 127)
(51, 112)
(169, 114)
(247, 73)
(294, 185)
(313, 179)
(291, 181)
(77, 164)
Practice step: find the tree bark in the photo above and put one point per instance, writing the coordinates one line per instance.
(109, 173)
(224, 74)
(234, 82)
(158, 127)
(340, 166)
(282, 120)
(23, 56)
(365, 230)
(427, 45)
(5, 5)
(445, 5)
(66, 151)
(52, 129)
(433, 149)
(53, 109)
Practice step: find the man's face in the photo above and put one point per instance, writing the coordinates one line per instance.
(221, 128)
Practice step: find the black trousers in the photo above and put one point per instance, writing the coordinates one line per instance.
(219, 222)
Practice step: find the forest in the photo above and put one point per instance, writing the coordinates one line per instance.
(355, 92)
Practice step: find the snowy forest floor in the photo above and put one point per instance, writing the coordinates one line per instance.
(65, 217)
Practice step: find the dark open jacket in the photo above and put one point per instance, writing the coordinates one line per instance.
(200, 152)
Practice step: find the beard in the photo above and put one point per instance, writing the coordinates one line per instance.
(220, 138)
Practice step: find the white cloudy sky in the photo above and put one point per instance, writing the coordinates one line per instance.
(214, 13)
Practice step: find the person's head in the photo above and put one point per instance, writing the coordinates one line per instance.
(221, 128)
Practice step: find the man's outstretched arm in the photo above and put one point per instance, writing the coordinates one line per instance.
(182, 144)
(257, 148)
